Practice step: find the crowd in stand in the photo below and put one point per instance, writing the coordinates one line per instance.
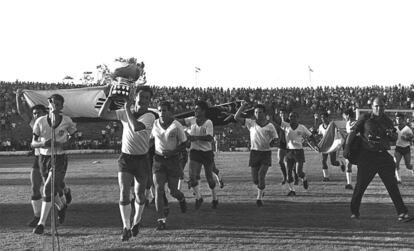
(331, 99)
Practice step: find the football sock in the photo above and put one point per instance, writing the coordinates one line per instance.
(37, 207)
(348, 177)
(58, 202)
(291, 187)
(397, 175)
(162, 219)
(325, 173)
(180, 181)
(260, 193)
(139, 209)
(196, 190)
(214, 194)
(46, 206)
(126, 215)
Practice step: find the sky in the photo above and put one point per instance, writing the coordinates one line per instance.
(239, 43)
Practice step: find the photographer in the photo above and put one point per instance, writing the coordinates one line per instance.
(376, 131)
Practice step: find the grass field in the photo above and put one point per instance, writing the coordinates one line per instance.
(316, 219)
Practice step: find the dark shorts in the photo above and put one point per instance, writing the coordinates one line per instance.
(137, 165)
(35, 162)
(297, 155)
(202, 157)
(260, 158)
(45, 163)
(170, 166)
(403, 150)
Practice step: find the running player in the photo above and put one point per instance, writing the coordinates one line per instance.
(64, 129)
(323, 128)
(295, 135)
(262, 134)
(403, 145)
(201, 152)
(133, 161)
(169, 139)
(349, 116)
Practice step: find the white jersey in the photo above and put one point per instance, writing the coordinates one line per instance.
(260, 137)
(135, 143)
(405, 131)
(167, 139)
(36, 150)
(203, 130)
(322, 130)
(42, 128)
(295, 138)
(349, 125)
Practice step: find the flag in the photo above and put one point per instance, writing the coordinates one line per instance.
(332, 140)
(81, 104)
(197, 69)
(310, 69)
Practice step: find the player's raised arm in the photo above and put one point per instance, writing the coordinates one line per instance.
(237, 116)
(22, 109)
(104, 112)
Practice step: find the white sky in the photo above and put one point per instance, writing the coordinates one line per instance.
(235, 43)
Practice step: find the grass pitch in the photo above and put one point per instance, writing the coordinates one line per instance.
(316, 219)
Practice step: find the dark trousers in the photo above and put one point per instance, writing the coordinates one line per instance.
(334, 162)
(369, 164)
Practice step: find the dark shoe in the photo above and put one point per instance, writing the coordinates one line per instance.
(39, 229)
(284, 181)
(214, 204)
(126, 234)
(147, 202)
(259, 203)
(399, 182)
(291, 193)
(183, 206)
(33, 222)
(221, 183)
(305, 184)
(354, 216)
(325, 179)
(161, 225)
(152, 201)
(62, 214)
(135, 230)
(198, 203)
(349, 187)
(296, 182)
(68, 196)
(166, 211)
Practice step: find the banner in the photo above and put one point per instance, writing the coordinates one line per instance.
(332, 140)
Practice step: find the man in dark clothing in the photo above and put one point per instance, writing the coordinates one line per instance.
(376, 131)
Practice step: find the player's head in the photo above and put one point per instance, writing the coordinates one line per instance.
(165, 110)
(57, 101)
(200, 109)
(259, 112)
(38, 111)
(143, 97)
(348, 114)
(378, 105)
(325, 117)
(283, 114)
(293, 117)
(400, 118)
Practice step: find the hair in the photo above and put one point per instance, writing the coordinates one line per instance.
(379, 97)
(260, 106)
(202, 104)
(349, 112)
(144, 88)
(57, 97)
(295, 113)
(325, 114)
(400, 115)
(39, 107)
(166, 104)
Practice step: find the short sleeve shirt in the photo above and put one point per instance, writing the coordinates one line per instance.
(260, 137)
(135, 143)
(203, 130)
(295, 137)
(169, 138)
(42, 128)
(405, 131)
